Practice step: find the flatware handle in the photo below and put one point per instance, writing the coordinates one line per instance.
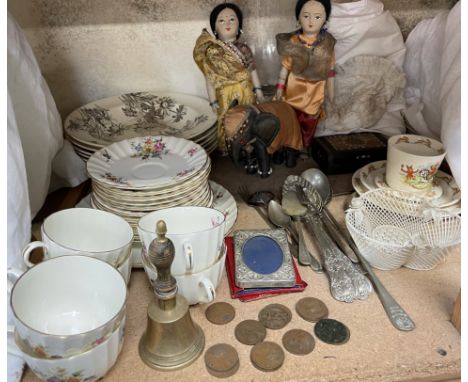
(339, 236)
(262, 212)
(304, 257)
(346, 283)
(397, 315)
(314, 264)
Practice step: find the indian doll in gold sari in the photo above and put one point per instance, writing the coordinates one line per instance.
(308, 63)
(227, 64)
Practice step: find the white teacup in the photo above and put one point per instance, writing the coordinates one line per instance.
(84, 231)
(197, 234)
(90, 365)
(199, 287)
(67, 305)
(412, 162)
(125, 268)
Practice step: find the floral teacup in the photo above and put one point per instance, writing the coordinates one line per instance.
(412, 162)
(66, 305)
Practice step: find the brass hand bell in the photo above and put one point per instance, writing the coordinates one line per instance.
(171, 340)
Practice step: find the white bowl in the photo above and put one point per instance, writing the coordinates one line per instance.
(125, 268)
(87, 366)
(196, 232)
(84, 231)
(67, 305)
(199, 287)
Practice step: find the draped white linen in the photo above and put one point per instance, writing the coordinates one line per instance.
(35, 138)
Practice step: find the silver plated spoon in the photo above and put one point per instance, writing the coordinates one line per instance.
(295, 210)
(283, 220)
(320, 182)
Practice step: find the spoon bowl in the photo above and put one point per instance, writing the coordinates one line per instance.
(260, 198)
(277, 216)
(320, 182)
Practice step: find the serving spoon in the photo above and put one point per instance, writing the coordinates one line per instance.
(319, 181)
(283, 220)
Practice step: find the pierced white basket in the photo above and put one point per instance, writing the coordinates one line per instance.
(393, 229)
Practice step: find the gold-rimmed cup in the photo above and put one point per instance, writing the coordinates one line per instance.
(67, 305)
(84, 231)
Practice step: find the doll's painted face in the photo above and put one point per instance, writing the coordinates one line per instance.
(312, 17)
(227, 25)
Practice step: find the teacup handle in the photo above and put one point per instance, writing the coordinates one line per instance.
(188, 252)
(29, 248)
(12, 348)
(209, 289)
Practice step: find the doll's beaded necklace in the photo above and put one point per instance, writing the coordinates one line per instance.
(232, 48)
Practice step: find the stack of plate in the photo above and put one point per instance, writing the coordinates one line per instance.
(101, 123)
(135, 176)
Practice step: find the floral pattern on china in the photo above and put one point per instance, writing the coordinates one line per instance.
(42, 352)
(425, 142)
(62, 375)
(147, 162)
(418, 178)
(150, 148)
(443, 193)
(142, 113)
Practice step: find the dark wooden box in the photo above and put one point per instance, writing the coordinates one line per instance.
(342, 154)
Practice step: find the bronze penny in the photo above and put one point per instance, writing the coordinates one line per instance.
(221, 360)
(311, 309)
(250, 332)
(331, 331)
(298, 342)
(267, 356)
(274, 316)
(220, 313)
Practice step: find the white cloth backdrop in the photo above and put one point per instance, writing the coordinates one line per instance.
(35, 138)
(433, 70)
(364, 28)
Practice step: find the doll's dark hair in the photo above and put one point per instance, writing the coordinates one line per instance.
(217, 10)
(326, 4)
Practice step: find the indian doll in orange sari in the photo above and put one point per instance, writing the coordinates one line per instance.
(308, 62)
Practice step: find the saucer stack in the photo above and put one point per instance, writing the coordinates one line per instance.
(101, 123)
(444, 192)
(135, 176)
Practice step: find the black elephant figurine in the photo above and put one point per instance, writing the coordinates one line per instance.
(255, 132)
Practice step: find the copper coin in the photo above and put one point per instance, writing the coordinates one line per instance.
(274, 316)
(331, 331)
(250, 332)
(298, 341)
(311, 309)
(220, 313)
(221, 360)
(267, 356)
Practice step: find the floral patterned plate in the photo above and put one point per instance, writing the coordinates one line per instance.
(131, 115)
(153, 195)
(224, 202)
(357, 184)
(147, 162)
(444, 192)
